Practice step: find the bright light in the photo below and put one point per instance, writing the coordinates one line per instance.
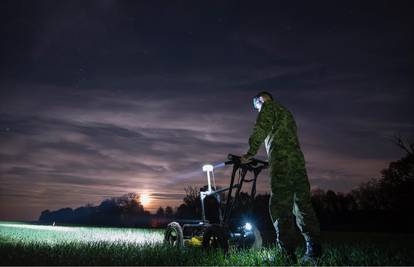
(34, 235)
(248, 226)
(208, 168)
(145, 199)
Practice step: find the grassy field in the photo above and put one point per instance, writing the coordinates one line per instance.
(26, 244)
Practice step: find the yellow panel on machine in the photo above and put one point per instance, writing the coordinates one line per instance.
(196, 241)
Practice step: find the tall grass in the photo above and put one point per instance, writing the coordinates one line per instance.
(30, 245)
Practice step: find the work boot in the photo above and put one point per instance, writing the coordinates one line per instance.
(312, 253)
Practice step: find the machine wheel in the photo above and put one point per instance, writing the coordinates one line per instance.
(174, 235)
(216, 237)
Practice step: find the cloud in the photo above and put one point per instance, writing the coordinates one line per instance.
(115, 142)
(140, 147)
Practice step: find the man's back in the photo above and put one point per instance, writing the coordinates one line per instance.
(279, 128)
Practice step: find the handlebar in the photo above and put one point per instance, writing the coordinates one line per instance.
(253, 164)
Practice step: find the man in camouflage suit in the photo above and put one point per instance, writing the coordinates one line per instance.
(290, 201)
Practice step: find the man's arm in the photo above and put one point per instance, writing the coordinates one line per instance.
(262, 128)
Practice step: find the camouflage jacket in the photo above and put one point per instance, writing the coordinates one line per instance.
(276, 127)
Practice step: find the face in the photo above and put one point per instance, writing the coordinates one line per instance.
(257, 103)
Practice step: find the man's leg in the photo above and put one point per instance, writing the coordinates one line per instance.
(280, 208)
(306, 219)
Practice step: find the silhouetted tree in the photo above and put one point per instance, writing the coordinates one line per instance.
(404, 145)
(395, 189)
(125, 210)
(160, 212)
(130, 204)
(192, 200)
(169, 211)
(45, 215)
(184, 212)
(367, 196)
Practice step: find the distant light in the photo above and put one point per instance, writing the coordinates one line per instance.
(145, 199)
(248, 226)
(208, 168)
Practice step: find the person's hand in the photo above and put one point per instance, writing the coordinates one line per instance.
(245, 159)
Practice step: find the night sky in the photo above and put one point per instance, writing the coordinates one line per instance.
(101, 98)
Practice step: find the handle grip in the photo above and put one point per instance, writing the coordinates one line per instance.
(234, 159)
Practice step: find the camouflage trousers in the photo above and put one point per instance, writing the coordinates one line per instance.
(290, 204)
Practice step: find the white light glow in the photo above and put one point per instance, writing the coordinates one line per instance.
(40, 227)
(248, 226)
(145, 199)
(208, 168)
(47, 234)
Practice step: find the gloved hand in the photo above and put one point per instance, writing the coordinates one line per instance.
(245, 159)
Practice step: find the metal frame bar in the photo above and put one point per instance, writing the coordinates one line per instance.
(243, 170)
